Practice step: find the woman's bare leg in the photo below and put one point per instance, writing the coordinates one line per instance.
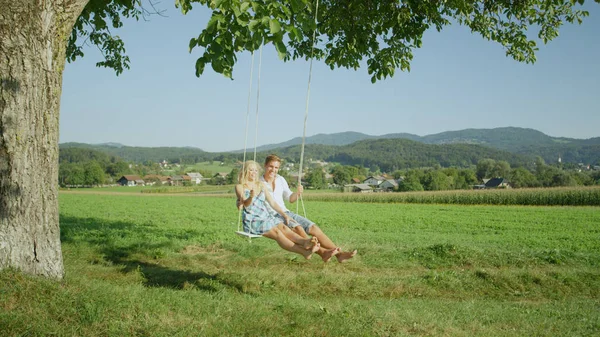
(276, 234)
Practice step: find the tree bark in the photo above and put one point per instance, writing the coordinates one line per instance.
(33, 39)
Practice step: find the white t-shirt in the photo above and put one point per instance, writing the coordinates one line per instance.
(282, 191)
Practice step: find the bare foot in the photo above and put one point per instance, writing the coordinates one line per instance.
(311, 243)
(309, 252)
(343, 256)
(327, 254)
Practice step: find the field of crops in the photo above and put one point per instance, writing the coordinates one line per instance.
(561, 196)
(152, 265)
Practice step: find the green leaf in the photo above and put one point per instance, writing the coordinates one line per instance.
(244, 6)
(200, 64)
(216, 3)
(296, 33)
(281, 49)
(212, 22)
(193, 43)
(274, 26)
(253, 24)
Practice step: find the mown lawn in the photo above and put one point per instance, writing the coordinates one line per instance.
(172, 266)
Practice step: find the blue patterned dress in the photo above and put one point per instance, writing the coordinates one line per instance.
(257, 218)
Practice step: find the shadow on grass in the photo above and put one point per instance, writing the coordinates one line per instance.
(126, 244)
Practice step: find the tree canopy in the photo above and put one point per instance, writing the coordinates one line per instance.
(383, 32)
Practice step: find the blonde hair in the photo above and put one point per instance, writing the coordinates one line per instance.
(245, 172)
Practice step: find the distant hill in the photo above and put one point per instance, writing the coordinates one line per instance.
(337, 139)
(508, 138)
(509, 143)
(393, 154)
(522, 141)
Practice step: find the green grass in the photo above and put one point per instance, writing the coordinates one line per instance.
(171, 266)
(193, 189)
(165, 189)
(109, 189)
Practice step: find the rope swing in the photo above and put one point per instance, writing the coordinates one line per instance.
(239, 229)
(312, 50)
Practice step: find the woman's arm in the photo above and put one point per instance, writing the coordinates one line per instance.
(275, 206)
(239, 191)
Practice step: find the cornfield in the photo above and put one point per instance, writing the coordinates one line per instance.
(562, 196)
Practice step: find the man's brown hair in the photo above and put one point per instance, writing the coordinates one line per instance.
(272, 157)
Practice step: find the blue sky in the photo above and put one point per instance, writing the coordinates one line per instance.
(457, 81)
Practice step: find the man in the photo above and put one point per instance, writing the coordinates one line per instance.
(280, 190)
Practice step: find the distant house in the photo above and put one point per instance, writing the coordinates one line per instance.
(361, 188)
(178, 180)
(130, 180)
(195, 177)
(373, 180)
(356, 180)
(497, 183)
(389, 185)
(288, 166)
(152, 179)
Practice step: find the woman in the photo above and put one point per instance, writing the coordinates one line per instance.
(257, 218)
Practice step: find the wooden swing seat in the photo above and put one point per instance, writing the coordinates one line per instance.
(248, 235)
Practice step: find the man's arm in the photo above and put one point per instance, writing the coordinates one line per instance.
(293, 197)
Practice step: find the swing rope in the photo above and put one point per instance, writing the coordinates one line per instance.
(257, 99)
(239, 231)
(246, 135)
(306, 109)
(239, 227)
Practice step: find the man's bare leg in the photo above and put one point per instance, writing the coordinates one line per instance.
(326, 243)
(324, 240)
(325, 253)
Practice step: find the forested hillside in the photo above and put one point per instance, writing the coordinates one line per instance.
(521, 141)
(517, 146)
(144, 154)
(393, 154)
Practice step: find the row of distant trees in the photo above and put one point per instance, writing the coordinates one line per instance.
(438, 178)
(79, 167)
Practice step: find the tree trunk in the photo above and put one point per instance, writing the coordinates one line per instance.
(33, 39)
